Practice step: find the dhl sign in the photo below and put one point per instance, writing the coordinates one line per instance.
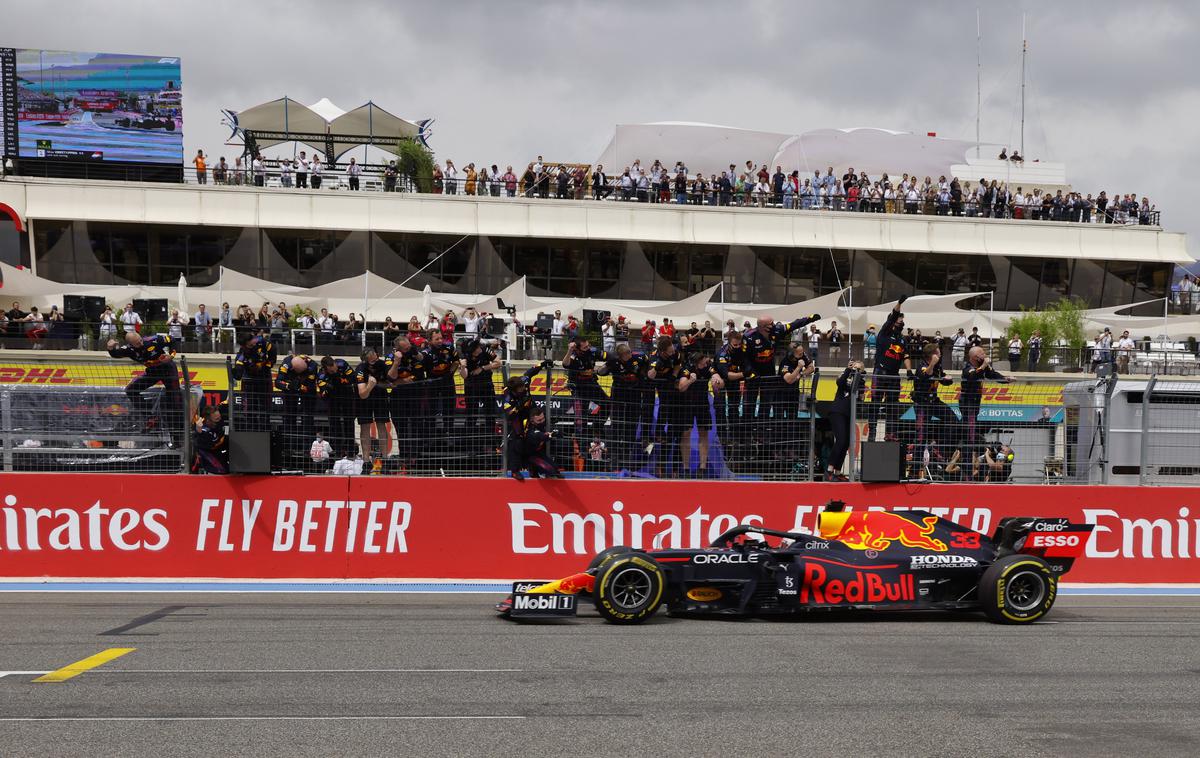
(211, 378)
(1015, 393)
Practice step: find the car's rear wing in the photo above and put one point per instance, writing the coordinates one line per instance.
(1058, 541)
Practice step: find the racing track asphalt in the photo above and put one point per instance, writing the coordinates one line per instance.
(1108, 676)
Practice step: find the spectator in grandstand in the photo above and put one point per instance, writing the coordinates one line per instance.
(1035, 350)
(203, 326)
(253, 366)
(353, 172)
(175, 325)
(336, 386)
(221, 172)
(296, 382)
(835, 337)
(470, 321)
(371, 381)
(1125, 347)
(974, 339)
(156, 353)
(211, 445)
(302, 167)
(608, 335)
(1014, 352)
(450, 178)
(317, 170)
(131, 319)
(285, 173)
(35, 328)
(201, 167)
(869, 339)
(108, 324)
(510, 182)
(814, 342)
(259, 168)
(320, 451)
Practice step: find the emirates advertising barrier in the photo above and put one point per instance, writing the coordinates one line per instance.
(110, 526)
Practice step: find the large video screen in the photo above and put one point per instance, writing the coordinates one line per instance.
(92, 106)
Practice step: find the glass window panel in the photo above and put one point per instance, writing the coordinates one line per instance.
(962, 272)
(1056, 278)
(1087, 282)
(568, 259)
(867, 277)
(900, 273)
(835, 271)
(1023, 281)
(1119, 283)
(931, 276)
(1153, 280)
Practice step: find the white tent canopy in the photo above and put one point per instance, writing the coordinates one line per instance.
(347, 128)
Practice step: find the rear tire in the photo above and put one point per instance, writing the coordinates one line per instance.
(1017, 589)
(629, 588)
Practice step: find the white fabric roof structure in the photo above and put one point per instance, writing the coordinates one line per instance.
(323, 117)
(710, 148)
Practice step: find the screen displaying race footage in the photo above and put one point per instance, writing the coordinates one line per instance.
(92, 106)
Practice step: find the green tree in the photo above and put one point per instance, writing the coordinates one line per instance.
(415, 164)
(1060, 321)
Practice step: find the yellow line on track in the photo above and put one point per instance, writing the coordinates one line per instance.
(73, 670)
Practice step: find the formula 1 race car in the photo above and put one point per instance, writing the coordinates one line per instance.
(878, 560)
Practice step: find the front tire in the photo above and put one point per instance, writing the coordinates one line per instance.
(604, 556)
(1017, 589)
(629, 588)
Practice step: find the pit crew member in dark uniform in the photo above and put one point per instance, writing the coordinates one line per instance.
(517, 405)
(212, 447)
(253, 365)
(663, 375)
(848, 386)
(479, 391)
(977, 369)
(693, 409)
(536, 447)
(628, 395)
(441, 362)
(733, 366)
(406, 401)
(787, 397)
(371, 383)
(589, 400)
(156, 352)
(336, 386)
(890, 356)
(760, 349)
(928, 407)
(296, 381)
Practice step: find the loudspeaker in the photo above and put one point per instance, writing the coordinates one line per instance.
(151, 309)
(83, 308)
(594, 320)
(882, 462)
(250, 452)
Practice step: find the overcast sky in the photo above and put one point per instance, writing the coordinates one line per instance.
(1112, 87)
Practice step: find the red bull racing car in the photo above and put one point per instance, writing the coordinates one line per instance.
(877, 560)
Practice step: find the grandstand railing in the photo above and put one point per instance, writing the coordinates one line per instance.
(335, 178)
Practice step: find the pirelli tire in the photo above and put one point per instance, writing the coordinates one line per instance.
(629, 588)
(1017, 589)
(604, 556)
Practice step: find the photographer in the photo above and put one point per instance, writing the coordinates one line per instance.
(848, 386)
(212, 447)
(994, 464)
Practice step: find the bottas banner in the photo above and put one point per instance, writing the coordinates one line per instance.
(108, 526)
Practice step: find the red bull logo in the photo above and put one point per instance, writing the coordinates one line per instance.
(571, 585)
(863, 587)
(877, 530)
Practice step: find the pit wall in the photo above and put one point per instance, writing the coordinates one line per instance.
(111, 526)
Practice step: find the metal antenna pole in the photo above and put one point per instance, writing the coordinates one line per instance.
(1024, 50)
(978, 80)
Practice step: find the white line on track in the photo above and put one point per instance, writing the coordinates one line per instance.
(306, 671)
(52, 719)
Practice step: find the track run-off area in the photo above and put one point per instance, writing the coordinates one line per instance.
(338, 673)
